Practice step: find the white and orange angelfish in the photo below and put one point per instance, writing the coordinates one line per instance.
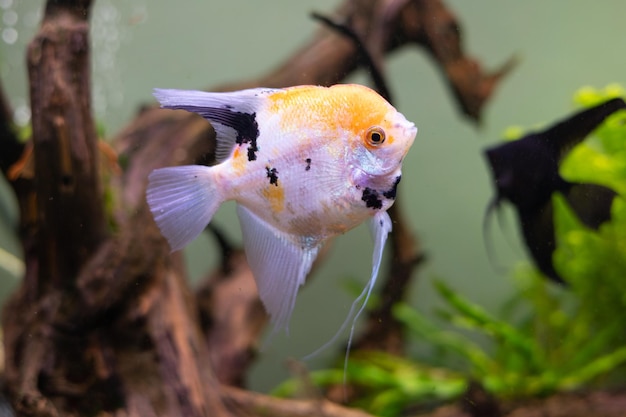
(304, 164)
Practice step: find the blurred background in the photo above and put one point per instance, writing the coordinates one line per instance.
(141, 44)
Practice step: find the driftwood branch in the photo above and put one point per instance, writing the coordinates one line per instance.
(65, 145)
(439, 32)
(252, 403)
(104, 320)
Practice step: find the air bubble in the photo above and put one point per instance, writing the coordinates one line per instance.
(9, 18)
(5, 4)
(9, 36)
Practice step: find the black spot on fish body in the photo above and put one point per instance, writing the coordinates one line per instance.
(526, 174)
(252, 150)
(372, 199)
(308, 164)
(391, 193)
(272, 175)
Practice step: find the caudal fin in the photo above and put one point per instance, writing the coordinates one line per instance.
(182, 200)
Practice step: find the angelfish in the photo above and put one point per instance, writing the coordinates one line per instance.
(303, 164)
(526, 173)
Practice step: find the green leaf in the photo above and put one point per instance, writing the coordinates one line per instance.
(447, 340)
(474, 317)
(595, 368)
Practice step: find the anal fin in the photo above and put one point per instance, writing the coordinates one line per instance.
(279, 263)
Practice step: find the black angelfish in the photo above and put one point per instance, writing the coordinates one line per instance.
(526, 173)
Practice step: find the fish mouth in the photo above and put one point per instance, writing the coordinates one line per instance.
(408, 127)
(410, 130)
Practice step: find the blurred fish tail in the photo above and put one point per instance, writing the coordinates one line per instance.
(591, 203)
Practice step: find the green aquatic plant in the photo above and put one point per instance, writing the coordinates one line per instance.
(535, 356)
(387, 384)
(547, 338)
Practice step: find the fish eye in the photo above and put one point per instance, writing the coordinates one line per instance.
(375, 136)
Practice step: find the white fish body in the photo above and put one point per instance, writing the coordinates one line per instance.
(303, 164)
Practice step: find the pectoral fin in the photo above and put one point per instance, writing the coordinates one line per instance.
(380, 226)
(279, 263)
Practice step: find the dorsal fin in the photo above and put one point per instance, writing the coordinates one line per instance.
(232, 114)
